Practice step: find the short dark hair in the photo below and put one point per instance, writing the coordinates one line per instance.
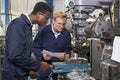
(41, 7)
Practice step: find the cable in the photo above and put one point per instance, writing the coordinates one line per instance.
(99, 64)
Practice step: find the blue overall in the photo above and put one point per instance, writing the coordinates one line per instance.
(17, 61)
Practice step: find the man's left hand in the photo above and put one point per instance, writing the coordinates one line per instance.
(61, 57)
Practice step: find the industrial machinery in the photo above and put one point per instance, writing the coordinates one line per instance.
(80, 11)
(103, 29)
(75, 68)
(116, 13)
(70, 65)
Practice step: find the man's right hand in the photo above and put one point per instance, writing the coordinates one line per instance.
(33, 74)
(44, 66)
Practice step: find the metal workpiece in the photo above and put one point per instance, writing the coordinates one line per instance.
(79, 76)
(70, 65)
(76, 61)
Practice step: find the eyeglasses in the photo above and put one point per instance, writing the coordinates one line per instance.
(60, 24)
(46, 16)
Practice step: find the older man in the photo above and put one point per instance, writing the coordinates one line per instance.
(55, 38)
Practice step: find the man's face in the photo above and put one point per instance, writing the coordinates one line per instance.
(59, 24)
(43, 18)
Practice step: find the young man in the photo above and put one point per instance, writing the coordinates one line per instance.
(55, 38)
(17, 63)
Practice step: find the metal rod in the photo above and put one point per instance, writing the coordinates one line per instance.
(6, 12)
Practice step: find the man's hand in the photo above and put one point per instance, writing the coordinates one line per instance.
(46, 57)
(61, 57)
(44, 66)
(33, 74)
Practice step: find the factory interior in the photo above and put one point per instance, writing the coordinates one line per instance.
(94, 26)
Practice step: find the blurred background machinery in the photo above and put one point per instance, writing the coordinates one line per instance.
(2, 46)
(116, 16)
(2, 50)
(101, 28)
(116, 13)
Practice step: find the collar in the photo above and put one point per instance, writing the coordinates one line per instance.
(54, 31)
(28, 18)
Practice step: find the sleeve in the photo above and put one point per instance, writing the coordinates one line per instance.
(37, 46)
(18, 51)
(68, 44)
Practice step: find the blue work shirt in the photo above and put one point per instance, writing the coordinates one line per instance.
(17, 61)
(45, 40)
